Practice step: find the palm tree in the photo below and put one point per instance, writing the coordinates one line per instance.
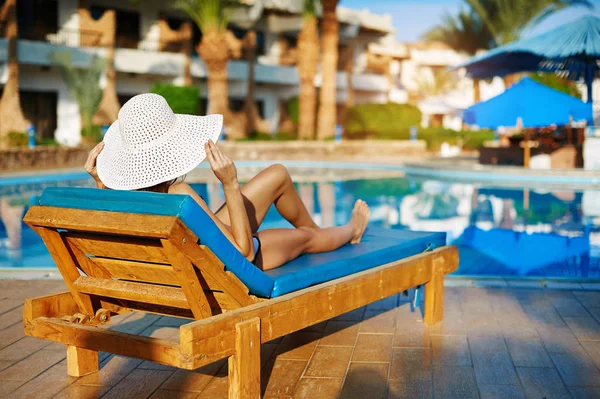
(82, 84)
(308, 47)
(329, 60)
(465, 33)
(438, 83)
(211, 18)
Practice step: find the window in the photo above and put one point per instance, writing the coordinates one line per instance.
(128, 26)
(40, 109)
(37, 18)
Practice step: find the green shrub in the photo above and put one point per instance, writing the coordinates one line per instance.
(469, 140)
(384, 121)
(260, 136)
(293, 108)
(17, 139)
(181, 99)
(92, 135)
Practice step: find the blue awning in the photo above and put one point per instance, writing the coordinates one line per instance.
(537, 106)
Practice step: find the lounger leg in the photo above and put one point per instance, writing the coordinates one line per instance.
(244, 365)
(434, 293)
(81, 361)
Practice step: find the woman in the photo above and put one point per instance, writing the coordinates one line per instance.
(149, 147)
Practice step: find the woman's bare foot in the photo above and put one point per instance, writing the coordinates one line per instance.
(359, 220)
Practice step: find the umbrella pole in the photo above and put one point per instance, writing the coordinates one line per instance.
(589, 81)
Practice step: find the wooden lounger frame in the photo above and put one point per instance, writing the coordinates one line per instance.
(114, 263)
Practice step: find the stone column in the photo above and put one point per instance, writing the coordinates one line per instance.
(11, 115)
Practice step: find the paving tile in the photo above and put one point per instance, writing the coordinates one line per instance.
(589, 299)
(298, 346)
(218, 388)
(11, 317)
(113, 370)
(138, 384)
(329, 361)
(192, 381)
(542, 383)
(584, 328)
(45, 385)
(283, 378)
(31, 366)
(481, 325)
(501, 391)
(365, 380)
(585, 393)
(410, 331)
(22, 348)
(559, 340)
(528, 352)
(74, 391)
(379, 321)
(340, 333)
(593, 349)
(454, 382)
(266, 352)
(318, 388)
(164, 394)
(353, 315)
(452, 324)
(491, 361)
(450, 350)
(373, 348)
(391, 302)
(410, 373)
(576, 370)
(5, 365)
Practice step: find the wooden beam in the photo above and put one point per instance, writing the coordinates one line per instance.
(66, 266)
(434, 293)
(208, 340)
(100, 339)
(131, 224)
(244, 365)
(190, 285)
(81, 361)
(119, 247)
(55, 305)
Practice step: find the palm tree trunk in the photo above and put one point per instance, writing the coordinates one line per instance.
(308, 47)
(476, 91)
(249, 105)
(327, 106)
(214, 51)
(108, 109)
(11, 115)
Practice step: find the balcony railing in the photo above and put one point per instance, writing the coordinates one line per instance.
(65, 37)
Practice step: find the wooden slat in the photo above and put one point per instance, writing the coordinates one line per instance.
(138, 271)
(90, 268)
(434, 294)
(214, 338)
(210, 266)
(118, 247)
(154, 294)
(66, 265)
(100, 222)
(99, 339)
(190, 285)
(244, 365)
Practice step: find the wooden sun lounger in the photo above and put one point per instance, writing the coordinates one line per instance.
(115, 262)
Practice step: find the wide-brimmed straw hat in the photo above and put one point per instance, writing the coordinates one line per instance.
(149, 144)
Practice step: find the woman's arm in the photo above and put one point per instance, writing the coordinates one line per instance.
(224, 169)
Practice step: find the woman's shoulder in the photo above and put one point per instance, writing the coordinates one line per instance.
(180, 188)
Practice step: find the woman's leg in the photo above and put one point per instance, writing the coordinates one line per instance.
(279, 246)
(272, 185)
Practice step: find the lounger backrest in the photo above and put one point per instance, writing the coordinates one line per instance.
(143, 248)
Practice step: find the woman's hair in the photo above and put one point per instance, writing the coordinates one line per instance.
(164, 186)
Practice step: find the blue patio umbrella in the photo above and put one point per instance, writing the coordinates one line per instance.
(537, 106)
(572, 48)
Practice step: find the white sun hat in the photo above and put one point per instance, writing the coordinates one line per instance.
(149, 144)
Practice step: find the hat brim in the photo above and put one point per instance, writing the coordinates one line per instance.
(124, 168)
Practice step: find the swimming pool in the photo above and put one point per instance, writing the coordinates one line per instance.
(500, 231)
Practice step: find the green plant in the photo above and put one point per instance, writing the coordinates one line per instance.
(82, 83)
(261, 136)
(46, 141)
(181, 99)
(391, 121)
(17, 139)
(293, 109)
(556, 82)
(92, 134)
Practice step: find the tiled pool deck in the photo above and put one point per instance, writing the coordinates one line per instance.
(493, 343)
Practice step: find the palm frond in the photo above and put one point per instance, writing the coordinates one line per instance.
(209, 15)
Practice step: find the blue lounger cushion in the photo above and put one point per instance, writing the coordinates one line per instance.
(379, 246)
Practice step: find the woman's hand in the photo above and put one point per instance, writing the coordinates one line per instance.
(90, 164)
(222, 166)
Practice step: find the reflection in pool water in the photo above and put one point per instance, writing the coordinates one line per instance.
(499, 231)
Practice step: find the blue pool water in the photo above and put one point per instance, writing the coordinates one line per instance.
(503, 232)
